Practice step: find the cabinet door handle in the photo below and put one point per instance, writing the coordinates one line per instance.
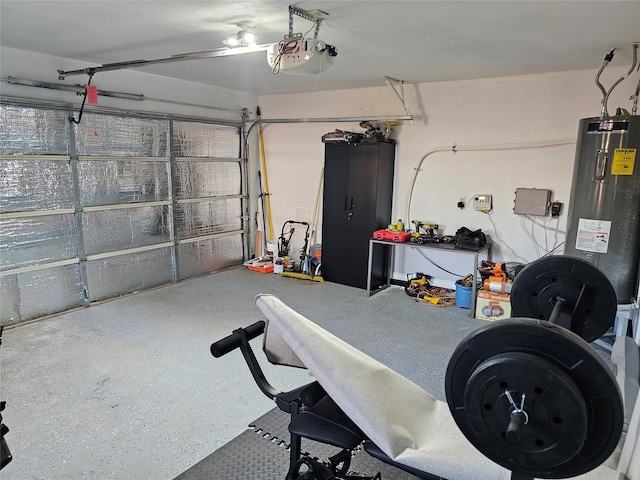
(351, 208)
(344, 207)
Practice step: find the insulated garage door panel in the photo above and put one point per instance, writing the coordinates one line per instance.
(199, 258)
(33, 131)
(196, 179)
(29, 295)
(28, 185)
(121, 136)
(123, 274)
(37, 240)
(124, 228)
(193, 139)
(206, 218)
(113, 181)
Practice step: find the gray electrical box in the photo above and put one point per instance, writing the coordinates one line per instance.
(532, 201)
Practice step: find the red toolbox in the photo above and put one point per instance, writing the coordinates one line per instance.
(391, 236)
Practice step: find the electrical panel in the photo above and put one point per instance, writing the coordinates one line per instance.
(532, 201)
(482, 203)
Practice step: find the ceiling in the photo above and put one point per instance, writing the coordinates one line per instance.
(415, 41)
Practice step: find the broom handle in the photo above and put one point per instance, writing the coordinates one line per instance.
(263, 162)
(315, 212)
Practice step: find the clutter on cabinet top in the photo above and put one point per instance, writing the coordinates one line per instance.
(340, 136)
(374, 132)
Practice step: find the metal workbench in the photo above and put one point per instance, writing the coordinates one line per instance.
(392, 246)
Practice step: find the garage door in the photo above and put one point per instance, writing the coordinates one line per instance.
(112, 206)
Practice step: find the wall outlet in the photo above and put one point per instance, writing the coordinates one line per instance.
(556, 209)
(462, 202)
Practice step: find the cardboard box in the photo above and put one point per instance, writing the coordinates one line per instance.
(262, 265)
(493, 306)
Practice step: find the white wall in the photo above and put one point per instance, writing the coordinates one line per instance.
(471, 112)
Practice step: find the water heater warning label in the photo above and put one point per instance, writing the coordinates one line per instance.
(623, 161)
(593, 235)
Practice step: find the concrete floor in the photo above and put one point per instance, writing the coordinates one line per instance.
(128, 389)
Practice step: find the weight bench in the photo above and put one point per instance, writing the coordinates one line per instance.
(518, 413)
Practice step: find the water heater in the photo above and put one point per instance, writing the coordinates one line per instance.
(604, 208)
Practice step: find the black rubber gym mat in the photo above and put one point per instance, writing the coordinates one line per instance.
(262, 453)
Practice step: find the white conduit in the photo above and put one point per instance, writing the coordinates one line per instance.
(481, 148)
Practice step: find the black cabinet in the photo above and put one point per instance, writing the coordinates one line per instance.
(358, 193)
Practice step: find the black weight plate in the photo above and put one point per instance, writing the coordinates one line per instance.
(537, 286)
(556, 416)
(566, 351)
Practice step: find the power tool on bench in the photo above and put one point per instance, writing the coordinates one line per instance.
(430, 234)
